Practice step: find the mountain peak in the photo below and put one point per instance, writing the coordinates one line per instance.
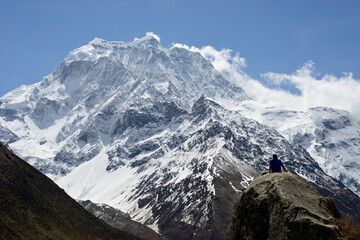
(99, 47)
(149, 36)
(150, 39)
(97, 41)
(202, 104)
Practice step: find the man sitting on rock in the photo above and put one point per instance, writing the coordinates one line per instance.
(276, 165)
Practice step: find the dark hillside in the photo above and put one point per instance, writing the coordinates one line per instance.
(34, 207)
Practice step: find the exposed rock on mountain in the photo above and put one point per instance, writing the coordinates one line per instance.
(7, 136)
(283, 206)
(33, 207)
(120, 220)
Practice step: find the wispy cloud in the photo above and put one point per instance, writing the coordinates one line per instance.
(222, 60)
(328, 90)
(150, 34)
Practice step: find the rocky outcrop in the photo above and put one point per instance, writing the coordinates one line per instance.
(283, 206)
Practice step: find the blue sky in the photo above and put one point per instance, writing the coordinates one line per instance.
(276, 36)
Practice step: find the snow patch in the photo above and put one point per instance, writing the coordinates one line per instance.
(234, 188)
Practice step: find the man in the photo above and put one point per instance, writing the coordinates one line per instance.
(276, 165)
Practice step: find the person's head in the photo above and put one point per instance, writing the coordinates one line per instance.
(274, 156)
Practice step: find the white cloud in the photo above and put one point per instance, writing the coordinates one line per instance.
(221, 60)
(149, 35)
(329, 91)
(224, 59)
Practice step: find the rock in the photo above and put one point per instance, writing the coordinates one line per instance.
(283, 206)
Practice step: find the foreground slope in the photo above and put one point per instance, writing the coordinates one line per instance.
(33, 207)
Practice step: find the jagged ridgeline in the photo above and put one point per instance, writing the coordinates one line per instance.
(139, 127)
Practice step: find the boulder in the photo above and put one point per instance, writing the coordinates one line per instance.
(283, 206)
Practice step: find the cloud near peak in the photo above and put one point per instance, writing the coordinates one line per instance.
(313, 90)
(329, 90)
(221, 60)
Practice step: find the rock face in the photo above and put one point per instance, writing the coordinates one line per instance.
(283, 206)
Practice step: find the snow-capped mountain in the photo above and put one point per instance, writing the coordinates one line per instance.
(137, 126)
(331, 136)
(96, 84)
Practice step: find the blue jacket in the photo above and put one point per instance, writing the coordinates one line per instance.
(275, 165)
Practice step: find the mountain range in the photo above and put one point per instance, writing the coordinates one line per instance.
(142, 128)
